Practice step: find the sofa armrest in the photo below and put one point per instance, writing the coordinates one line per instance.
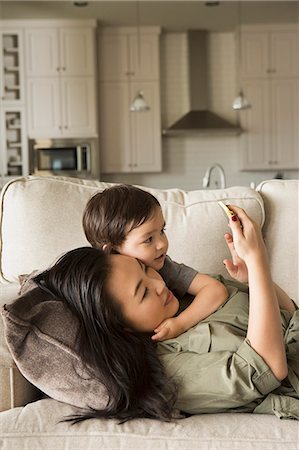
(281, 202)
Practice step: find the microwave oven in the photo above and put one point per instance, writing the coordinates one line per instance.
(71, 159)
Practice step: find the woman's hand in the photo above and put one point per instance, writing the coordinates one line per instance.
(247, 237)
(236, 267)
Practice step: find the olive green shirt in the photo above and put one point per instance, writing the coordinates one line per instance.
(218, 371)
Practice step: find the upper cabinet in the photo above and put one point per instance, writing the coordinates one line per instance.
(270, 52)
(126, 56)
(270, 79)
(61, 82)
(130, 141)
(69, 51)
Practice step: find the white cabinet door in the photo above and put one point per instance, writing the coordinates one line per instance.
(144, 57)
(42, 52)
(78, 106)
(124, 56)
(61, 84)
(77, 51)
(44, 113)
(255, 140)
(145, 130)
(130, 141)
(115, 140)
(284, 54)
(270, 138)
(269, 53)
(284, 111)
(254, 52)
(53, 51)
(113, 58)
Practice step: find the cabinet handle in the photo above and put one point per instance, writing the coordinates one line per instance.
(63, 68)
(65, 127)
(57, 69)
(60, 127)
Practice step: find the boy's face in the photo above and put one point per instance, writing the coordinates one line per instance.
(148, 242)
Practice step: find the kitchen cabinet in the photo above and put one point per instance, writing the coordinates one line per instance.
(270, 139)
(270, 78)
(130, 141)
(270, 52)
(13, 142)
(61, 81)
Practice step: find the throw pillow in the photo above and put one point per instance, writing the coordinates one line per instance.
(41, 333)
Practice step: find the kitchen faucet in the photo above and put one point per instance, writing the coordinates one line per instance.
(207, 177)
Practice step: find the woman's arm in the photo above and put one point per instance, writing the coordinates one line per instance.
(264, 325)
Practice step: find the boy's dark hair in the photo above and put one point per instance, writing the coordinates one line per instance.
(109, 215)
(125, 361)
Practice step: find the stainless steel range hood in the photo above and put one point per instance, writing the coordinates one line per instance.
(200, 119)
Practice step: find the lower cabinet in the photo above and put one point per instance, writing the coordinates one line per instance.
(271, 137)
(130, 141)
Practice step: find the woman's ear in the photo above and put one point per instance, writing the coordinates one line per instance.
(105, 247)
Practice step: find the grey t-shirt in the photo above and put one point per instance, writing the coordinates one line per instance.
(177, 277)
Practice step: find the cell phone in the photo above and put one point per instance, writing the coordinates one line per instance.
(228, 212)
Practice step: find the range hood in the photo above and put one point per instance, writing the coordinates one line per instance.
(200, 119)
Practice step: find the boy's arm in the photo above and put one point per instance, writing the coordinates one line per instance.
(208, 293)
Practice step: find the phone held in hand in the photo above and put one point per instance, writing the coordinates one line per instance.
(228, 212)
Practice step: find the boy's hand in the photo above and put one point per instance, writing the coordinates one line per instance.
(235, 267)
(169, 328)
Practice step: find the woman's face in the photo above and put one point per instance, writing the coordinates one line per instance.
(144, 298)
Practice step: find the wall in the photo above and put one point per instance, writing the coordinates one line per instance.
(185, 159)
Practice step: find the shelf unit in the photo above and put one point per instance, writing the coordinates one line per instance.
(13, 141)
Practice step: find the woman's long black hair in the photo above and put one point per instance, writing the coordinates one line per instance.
(124, 361)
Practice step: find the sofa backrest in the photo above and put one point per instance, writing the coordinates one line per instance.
(41, 218)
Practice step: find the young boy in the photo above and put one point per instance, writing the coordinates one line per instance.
(127, 220)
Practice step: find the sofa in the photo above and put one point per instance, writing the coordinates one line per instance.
(41, 218)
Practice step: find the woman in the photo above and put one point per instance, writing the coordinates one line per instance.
(233, 360)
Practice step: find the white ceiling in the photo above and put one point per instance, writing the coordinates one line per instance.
(170, 15)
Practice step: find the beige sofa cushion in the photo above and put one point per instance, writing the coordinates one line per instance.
(42, 218)
(38, 427)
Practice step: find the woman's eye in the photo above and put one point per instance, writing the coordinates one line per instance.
(145, 293)
(163, 230)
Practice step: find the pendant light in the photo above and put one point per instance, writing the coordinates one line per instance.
(139, 104)
(240, 103)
